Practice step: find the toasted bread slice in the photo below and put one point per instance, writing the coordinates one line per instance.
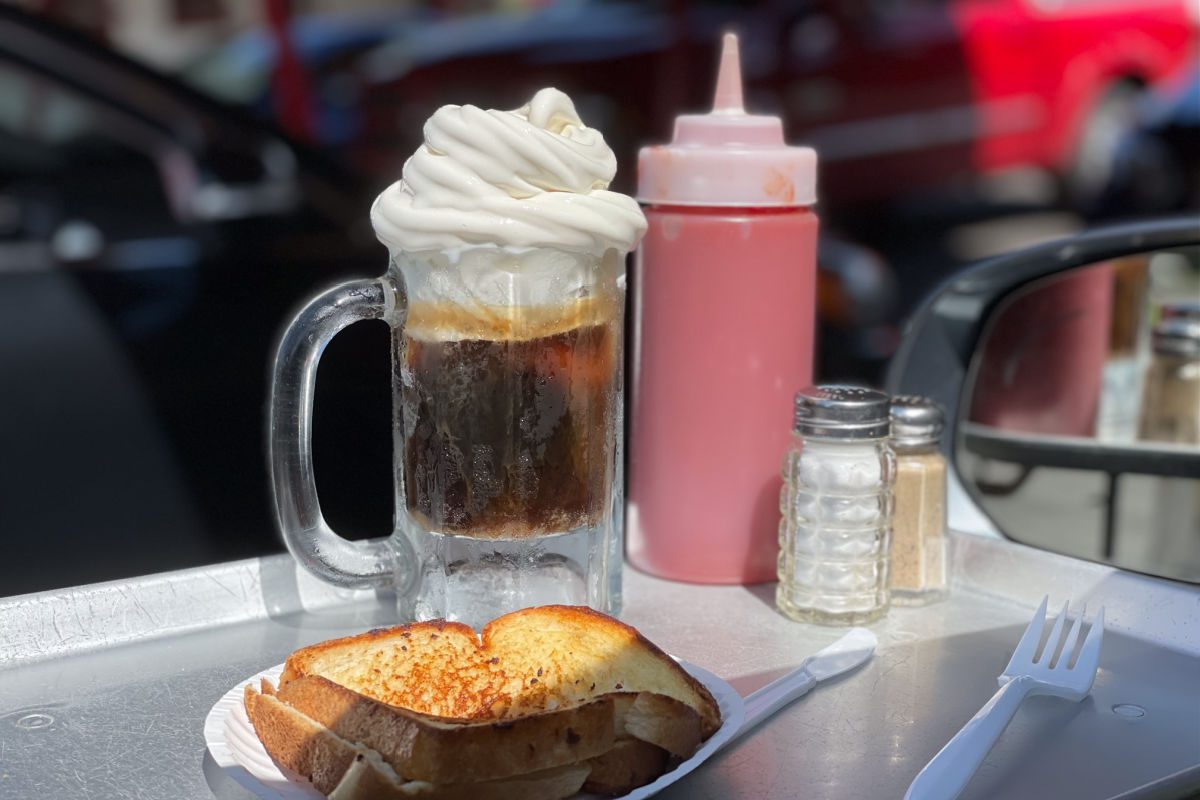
(367, 781)
(438, 750)
(297, 742)
(436, 704)
(529, 661)
(441, 751)
(658, 720)
(629, 764)
(345, 770)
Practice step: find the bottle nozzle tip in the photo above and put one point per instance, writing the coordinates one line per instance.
(728, 97)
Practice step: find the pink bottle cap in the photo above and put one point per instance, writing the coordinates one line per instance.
(728, 157)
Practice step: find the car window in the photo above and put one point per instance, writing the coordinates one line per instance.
(35, 109)
(64, 155)
(42, 112)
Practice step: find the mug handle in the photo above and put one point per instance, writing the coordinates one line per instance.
(372, 563)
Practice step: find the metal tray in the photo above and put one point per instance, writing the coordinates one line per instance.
(104, 688)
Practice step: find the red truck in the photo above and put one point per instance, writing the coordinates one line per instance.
(896, 95)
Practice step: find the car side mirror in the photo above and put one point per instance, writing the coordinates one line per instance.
(1071, 376)
(238, 182)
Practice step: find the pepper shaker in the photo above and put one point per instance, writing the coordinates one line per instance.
(837, 507)
(1171, 395)
(918, 554)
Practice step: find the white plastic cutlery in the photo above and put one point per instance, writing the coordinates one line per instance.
(848, 652)
(948, 773)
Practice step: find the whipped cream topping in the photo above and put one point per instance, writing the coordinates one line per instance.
(529, 178)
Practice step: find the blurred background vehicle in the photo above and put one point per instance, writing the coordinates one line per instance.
(151, 244)
(923, 112)
(972, 86)
(176, 174)
(1156, 161)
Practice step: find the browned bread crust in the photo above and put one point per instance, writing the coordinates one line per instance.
(659, 720)
(296, 742)
(542, 698)
(365, 782)
(345, 770)
(629, 764)
(426, 748)
(531, 660)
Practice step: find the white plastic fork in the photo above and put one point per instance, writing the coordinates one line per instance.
(947, 774)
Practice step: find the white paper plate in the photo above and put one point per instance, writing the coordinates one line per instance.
(237, 750)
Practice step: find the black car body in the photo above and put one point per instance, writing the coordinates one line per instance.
(1156, 165)
(152, 243)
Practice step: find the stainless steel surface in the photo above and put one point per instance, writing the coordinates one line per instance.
(121, 716)
(1028, 674)
(848, 652)
(58, 623)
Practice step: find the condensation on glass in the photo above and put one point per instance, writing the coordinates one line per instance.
(507, 391)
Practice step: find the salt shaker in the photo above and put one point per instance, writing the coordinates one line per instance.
(918, 553)
(837, 507)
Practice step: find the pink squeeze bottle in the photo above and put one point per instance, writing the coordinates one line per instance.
(723, 312)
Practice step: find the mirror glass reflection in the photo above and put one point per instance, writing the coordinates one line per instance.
(1081, 414)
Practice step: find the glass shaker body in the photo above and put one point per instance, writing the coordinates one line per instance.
(918, 555)
(834, 534)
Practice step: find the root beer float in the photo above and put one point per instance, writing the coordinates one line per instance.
(505, 293)
(508, 363)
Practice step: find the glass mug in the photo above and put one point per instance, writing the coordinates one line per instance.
(507, 386)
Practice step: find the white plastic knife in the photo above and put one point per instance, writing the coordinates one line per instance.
(848, 652)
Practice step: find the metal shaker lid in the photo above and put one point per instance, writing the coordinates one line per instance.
(841, 412)
(1186, 309)
(1178, 336)
(916, 421)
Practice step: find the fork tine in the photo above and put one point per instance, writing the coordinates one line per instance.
(1055, 635)
(1064, 658)
(1023, 654)
(1089, 656)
